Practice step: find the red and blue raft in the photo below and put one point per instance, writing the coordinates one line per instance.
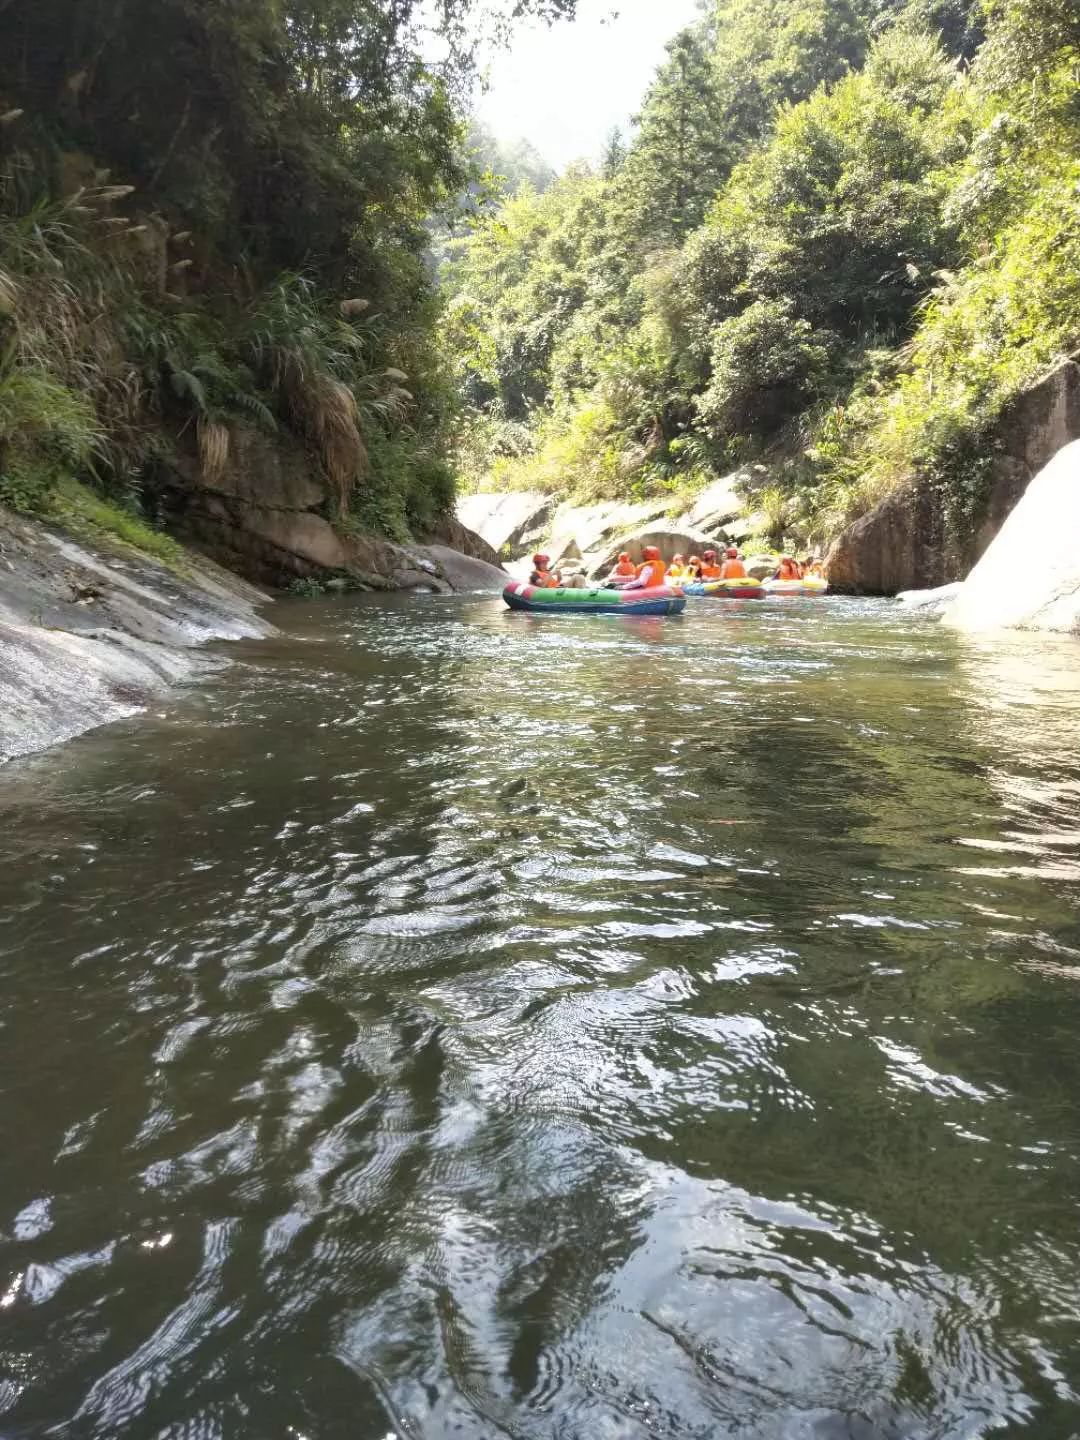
(656, 600)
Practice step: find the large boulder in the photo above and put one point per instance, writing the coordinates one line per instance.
(450, 531)
(668, 542)
(760, 567)
(262, 512)
(580, 531)
(905, 542)
(1029, 578)
(503, 519)
(463, 572)
(717, 506)
(91, 631)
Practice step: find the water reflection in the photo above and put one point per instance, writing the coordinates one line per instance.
(458, 1025)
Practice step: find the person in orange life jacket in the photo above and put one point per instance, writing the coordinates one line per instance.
(732, 568)
(625, 570)
(541, 576)
(651, 570)
(788, 569)
(710, 570)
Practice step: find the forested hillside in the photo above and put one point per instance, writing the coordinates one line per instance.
(213, 213)
(843, 235)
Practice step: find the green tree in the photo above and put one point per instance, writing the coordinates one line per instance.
(679, 156)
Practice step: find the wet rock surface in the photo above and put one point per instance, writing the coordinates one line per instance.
(91, 634)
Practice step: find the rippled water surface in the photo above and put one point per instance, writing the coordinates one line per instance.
(458, 1024)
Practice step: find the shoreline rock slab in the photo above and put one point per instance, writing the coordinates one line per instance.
(933, 601)
(1029, 578)
(91, 635)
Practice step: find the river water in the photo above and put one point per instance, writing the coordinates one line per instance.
(456, 1024)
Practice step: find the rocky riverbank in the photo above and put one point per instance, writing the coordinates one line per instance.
(906, 542)
(92, 630)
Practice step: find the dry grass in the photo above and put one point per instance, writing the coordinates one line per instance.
(334, 423)
(213, 440)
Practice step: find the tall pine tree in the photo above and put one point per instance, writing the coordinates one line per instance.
(680, 155)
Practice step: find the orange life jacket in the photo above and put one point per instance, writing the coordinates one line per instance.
(789, 571)
(544, 580)
(652, 572)
(626, 569)
(733, 570)
(710, 571)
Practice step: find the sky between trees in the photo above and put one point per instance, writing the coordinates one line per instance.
(564, 88)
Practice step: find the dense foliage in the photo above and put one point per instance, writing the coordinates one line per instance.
(843, 236)
(215, 211)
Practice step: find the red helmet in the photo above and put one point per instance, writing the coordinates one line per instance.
(731, 553)
(624, 557)
(650, 553)
(541, 561)
(708, 554)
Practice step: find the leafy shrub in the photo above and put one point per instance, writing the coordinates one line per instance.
(46, 432)
(766, 363)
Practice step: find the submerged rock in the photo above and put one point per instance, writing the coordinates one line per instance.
(1029, 578)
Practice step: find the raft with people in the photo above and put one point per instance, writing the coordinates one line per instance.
(634, 590)
(543, 600)
(795, 577)
(748, 589)
(653, 588)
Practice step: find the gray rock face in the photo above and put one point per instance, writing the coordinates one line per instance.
(89, 636)
(449, 531)
(904, 544)
(720, 509)
(260, 515)
(588, 532)
(503, 520)
(1029, 578)
(462, 572)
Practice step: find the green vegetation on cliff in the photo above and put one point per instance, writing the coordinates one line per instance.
(212, 212)
(842, 237)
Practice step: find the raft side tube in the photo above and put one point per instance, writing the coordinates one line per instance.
(811, 585)
(748, 589)
(656, 600)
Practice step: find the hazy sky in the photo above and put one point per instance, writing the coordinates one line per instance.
(564, 88)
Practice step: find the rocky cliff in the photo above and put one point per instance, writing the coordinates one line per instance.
(263, 514)
(906, 543)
